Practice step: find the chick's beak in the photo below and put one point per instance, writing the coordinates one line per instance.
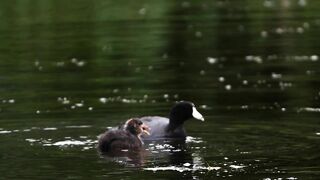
(145, 129)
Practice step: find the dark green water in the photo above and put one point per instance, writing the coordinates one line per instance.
(69, 69)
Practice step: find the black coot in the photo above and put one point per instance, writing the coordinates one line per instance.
(126, 138)
(172, 127)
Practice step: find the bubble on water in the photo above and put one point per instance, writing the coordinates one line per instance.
(176, 96)
(198, 34)
(251, 58)
(212, 60)
(221, 79)
(90, 108)
(237, 166)
(166, 96)
(306, 25)
(264, 34)
(74, 60)
(280, 30)
(78, 126)
(124, 100)
(150, 67)
(186, 164)
(244, 107)
(50, 129)
(300, 30)
(81, 63)
(276, 76)
(36, 63)
(309, 72)
(115, 90)
(63, 100)
(190, 139)
(283, 109)
(284, 85)
(5, 132)
(204, 106)
(68, 143)
(11, 101)
(80, 104)
(228, 87)
(309, 109)
(30, 140)
(314, 58)
(202, 72)
(286, 3)
(245, 82)
(142, 11)
(181, 169)
(268, 3)
(302, 3)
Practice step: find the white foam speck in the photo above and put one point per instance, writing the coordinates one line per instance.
(264, 34)
(5, 132)
(309, 109)
(276, 76)
(80, 126)
(221, 79)
(190, 139)
(198, 34)
(292, 178)
(300, 30)
(142, 11)
(50, 129)
(31, 140)
(81, 104)
(302, 3)
(103, 100)
(212, 60)
(181, 169)
(251, 58)
(268, 3)
(314, 58)
(11, 101)
(228, 87)
(68, 143)
(236, 166)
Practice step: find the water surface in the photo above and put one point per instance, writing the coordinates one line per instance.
(69, 70)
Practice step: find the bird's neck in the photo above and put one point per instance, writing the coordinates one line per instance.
(173, 125)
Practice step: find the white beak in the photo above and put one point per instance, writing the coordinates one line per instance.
(196, 114)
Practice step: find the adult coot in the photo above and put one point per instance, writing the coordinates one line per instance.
(126, 138)
(172, 127)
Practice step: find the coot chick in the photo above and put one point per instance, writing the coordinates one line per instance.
(126, 138)
(172, 127)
